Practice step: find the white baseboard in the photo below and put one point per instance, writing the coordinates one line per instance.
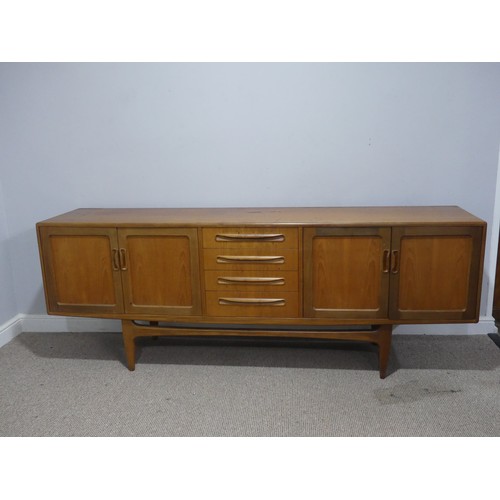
(11, 329)
(45, 323)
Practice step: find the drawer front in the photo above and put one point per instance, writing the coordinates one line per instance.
(252, 281)
(250, 259)
(268, 238)
(253, 304)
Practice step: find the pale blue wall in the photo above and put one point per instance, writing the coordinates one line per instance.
(74, 135)
(8, 306)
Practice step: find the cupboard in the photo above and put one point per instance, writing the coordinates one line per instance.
(332, 273)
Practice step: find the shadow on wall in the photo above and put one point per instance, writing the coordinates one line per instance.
(38, 303)
(7, 294)
(27, 272)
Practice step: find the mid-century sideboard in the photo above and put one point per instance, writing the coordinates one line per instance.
(312, 273)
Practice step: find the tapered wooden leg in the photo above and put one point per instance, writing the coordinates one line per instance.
(384, 348)
(129, 343)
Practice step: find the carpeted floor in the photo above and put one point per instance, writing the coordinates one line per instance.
(76, 384)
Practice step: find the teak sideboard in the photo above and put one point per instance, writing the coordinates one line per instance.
(312, 273)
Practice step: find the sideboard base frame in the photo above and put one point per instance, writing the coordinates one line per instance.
(380, 335)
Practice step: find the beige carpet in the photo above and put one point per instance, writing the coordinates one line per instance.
(76, 384)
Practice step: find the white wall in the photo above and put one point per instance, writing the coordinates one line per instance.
(8, 306)
(76, 135)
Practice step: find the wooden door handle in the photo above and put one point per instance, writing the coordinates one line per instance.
(386, 259)
(115, 260)
(123, 259)
(395, 262)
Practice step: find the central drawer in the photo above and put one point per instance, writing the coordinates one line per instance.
(252, 281)
(268, 238)
(250, 248)
(250, 258)
(251, 271)
(253, 304)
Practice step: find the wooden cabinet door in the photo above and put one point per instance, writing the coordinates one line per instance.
(160, 271)
(436, 273)
(81, 270)
(346, 272)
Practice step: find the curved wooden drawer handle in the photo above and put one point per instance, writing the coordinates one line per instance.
(252, 281)
(249, 237)
(272, 259)
(226, 301)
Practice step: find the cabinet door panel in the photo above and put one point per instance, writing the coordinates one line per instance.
(160, 271)
(80, 270)
(346, 272)
(437, 272)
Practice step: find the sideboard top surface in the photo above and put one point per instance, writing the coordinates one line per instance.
(307, 216)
